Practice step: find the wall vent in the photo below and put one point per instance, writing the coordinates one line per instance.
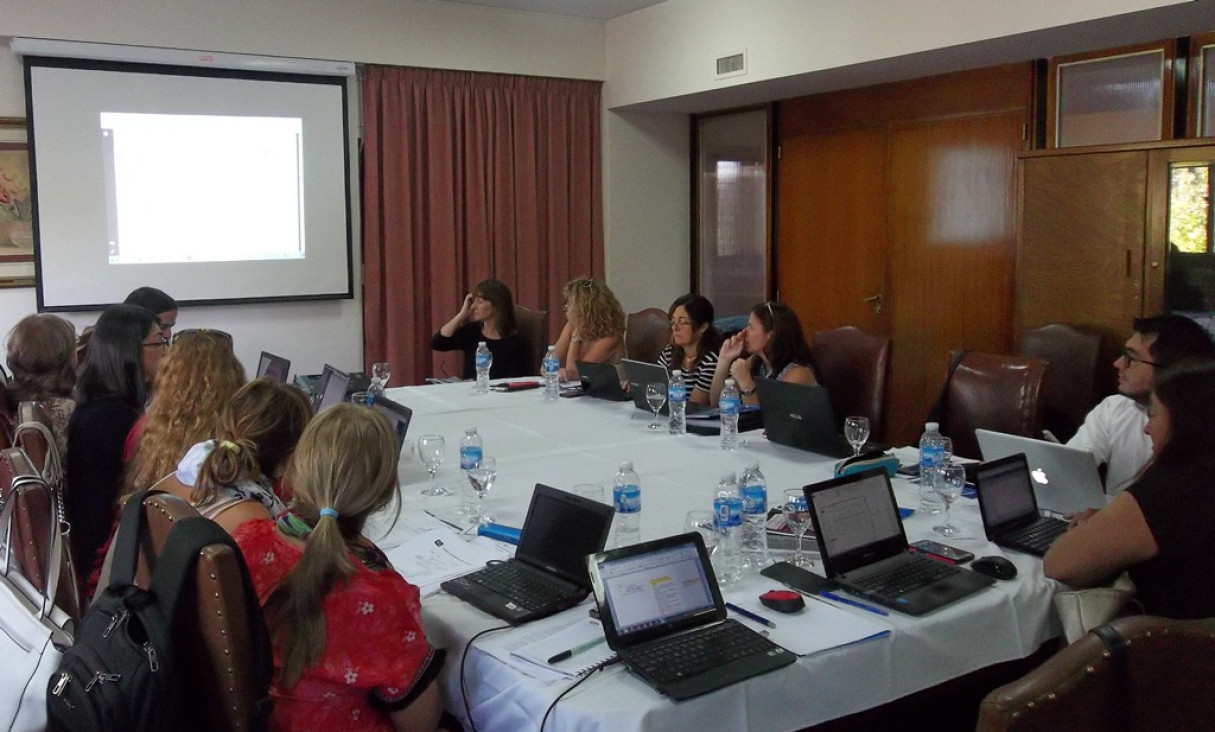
(734, 64)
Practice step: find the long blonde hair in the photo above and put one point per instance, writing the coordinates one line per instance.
(197, 377)
(346, 460)
(600, 314)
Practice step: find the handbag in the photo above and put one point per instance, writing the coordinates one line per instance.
(34, 631)
(1080, 611)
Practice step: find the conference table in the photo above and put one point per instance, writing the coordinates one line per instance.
(579, 440)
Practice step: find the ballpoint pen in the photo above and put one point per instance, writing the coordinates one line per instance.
(576, 650)
(853, 603)
(753, 616)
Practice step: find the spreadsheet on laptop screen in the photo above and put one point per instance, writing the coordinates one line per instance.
(651, 589)
(856, 514)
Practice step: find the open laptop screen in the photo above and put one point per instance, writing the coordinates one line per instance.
(854, 515)
(398, 416)
(332, 388)
(560, 530)
(648, 590)
(1005, 490)
(273, 367)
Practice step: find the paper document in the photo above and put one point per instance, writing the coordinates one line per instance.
(580, 634)
(505, 646)
(817, 627)
(431, 558)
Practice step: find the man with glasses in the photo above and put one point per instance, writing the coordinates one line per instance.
(1113, 430)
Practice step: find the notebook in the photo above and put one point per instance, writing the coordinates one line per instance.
(663, 614)
(548, 572)
(864, 549)
(601, 380)
(639, 373)
(800, 416)
(1065, 479)
(273, 367)
(1009, 509)
(398, 415)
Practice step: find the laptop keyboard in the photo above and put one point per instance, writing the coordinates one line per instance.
(903, 577)
(1038, 535)
(682, 656)
(526, 589)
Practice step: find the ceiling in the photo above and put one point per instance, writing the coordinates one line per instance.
(593, 9)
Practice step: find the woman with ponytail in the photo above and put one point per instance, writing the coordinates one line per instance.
(349, 649)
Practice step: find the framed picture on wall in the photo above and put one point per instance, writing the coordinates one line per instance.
(16, 206)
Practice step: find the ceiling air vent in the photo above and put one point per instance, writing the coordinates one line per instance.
(734, 64)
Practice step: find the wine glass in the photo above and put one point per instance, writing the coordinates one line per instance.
(953, 479)
(481, 478)
(655, 396)
(946, 451)
(705, 524)
(797, 517)
(856, 431)
(379, 377)
(430, 450)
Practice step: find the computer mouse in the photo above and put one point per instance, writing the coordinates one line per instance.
(782, 601)
(996, 567)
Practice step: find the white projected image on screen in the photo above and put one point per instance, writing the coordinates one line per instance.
(174, 195)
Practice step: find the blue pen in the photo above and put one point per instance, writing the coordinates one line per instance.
(748, 614)
(853, 603)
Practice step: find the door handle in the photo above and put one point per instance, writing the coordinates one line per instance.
(876, 302)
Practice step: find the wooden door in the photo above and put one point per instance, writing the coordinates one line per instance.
(831, 228)
(952, 205)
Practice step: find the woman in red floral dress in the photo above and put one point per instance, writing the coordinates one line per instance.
(349, 650)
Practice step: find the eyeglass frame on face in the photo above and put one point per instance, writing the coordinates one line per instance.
(678, 323)
(1131, 358)
(161, 342)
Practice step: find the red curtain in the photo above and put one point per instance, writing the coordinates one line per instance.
(468, 176)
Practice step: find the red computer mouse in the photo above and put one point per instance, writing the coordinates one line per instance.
(782, 601)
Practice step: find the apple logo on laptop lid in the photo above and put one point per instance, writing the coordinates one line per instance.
(1039, 476)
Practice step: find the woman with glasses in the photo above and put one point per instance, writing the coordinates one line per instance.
(487, 314)
(594, 327)
(111, 388)
(159, 302)
(1160, 530)
(772, 346)
(694, 345)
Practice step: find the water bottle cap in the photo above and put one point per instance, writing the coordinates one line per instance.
(676, 372)
(470, 431)
(727, 478)
(626, 466)
(480, 343)
(731, 382)
(753, 465)
(931, 427)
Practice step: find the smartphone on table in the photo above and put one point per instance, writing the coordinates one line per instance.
(940, 551)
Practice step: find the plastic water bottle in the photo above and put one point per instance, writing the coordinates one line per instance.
(484, 359)
(728, 406)
(932, 459)
(471, 449)
(626, 495)
(552, 370)
(727, 510)
(677, 403)
(754, 490)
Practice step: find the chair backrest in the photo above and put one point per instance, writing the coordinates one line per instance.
(854, 366)
(993, 392)
(1163, 684)
(533, 326)
(648, 333)
(1068, 394)
(212, 630)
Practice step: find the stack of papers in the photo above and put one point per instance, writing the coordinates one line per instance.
(435, 556)
(527, 648)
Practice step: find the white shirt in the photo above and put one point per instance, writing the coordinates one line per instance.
(1113, 432)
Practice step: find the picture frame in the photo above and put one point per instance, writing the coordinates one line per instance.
(16, 206)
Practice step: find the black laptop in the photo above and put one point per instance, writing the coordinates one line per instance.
(863, 547)
(273, 367)
(1010, 511)
(330, 389)
(800, 416)
(398, 416)
(639, 373)
(601, 381)
(548, 572)
(663, 614)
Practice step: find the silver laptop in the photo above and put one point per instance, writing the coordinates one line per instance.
(640, 373)
(1065, 479)
(330, 389)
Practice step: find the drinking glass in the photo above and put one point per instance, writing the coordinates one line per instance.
(797, 517)
(593, 491)
(953, 479)
(379, 377)
(656, 396)
(481, 478)
(430, 450)
(947, 451)
(705, 524)
(856, 431)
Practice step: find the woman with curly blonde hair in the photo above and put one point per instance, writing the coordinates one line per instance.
(194, 382)
(594, 327)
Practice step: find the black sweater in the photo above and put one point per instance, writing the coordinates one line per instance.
(510, 353)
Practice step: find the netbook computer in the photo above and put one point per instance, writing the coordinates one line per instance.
(330, 389)
(601, 380)
(863, 547)
(663, 614)
(1010, 511)
(800, 416)
(548, 572)
(273, 367)
(639, 374)
(398, 416)
(1065, 479)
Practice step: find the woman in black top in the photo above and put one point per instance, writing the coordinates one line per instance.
(488, 314)
(124, 351)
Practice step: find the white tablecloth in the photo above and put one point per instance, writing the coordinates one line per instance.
(572, 441)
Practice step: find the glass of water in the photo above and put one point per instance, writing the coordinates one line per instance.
(481, 478)
(430, 450)
(856, 431)
(705, 524)
(953, 479)
(797, 518)
(655, 396)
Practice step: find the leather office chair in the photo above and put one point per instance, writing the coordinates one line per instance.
(648, 333)
(854, 366)
(533, 326)
(1068, 394)
(213, 630)
(1159, 681)
(988, 391)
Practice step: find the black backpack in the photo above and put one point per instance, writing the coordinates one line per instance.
(121, 673)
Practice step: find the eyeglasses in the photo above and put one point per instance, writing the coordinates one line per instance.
(158, 343)
(682, 323)
(1132, 357)
(198, 331)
